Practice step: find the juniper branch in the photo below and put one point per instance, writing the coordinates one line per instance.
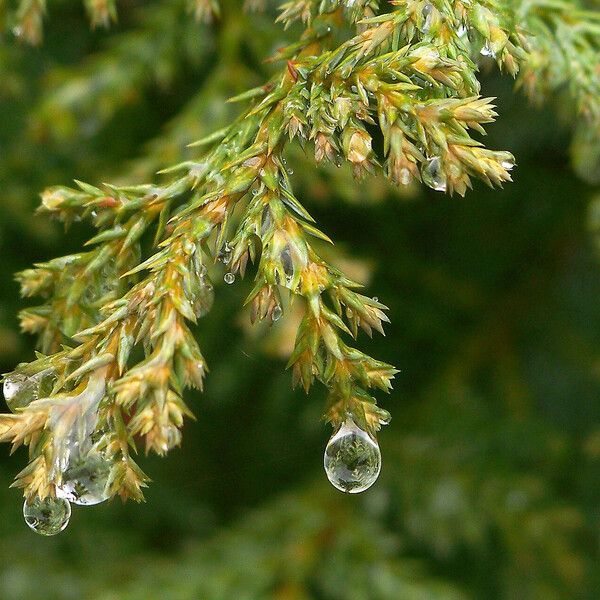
(410, 74)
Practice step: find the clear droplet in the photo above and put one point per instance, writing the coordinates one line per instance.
(352, 459)
(486, 50)
(204, 299)
(85, 480)
(433, 174)
(20, 389)
(225, 254)
(276, 313)
(290, 171)
(47, 517)
(404, 176)
(462, 31)
(229, 278)
(427, 17)
(508, 164)
(375, 299)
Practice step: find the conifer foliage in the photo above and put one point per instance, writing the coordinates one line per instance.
(390, 90)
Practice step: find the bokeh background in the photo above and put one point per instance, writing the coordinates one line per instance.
(490, 487)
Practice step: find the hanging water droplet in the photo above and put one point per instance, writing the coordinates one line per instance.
(352, 459)
(85, 480)
(290, 171)
(433, 175)
(229, 278)
(47, 517)
(276, 313)
(375, 299)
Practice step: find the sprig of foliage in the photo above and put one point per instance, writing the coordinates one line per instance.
(115, 327)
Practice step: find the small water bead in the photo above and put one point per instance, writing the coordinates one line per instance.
(276, 313)
(229, 278)
(433, 174)
(352, 459)
(225, 254)
(486, 50)
(427, 13)
(508, 164)
(47, 517)
(85, 479)
(204, 299)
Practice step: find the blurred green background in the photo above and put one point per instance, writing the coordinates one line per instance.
(490, 486)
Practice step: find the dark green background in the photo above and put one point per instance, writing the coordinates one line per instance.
(491, 480)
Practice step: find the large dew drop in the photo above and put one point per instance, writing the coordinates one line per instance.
(85, 480)
(352, 459)
(47, 517)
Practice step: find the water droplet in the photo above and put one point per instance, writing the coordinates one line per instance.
(290, 171)
(255, 192)
(508, 164)
(204, 300)
(375, 299)
(85, 479)
(47, 517)
(426, 14)
(352, 459)
(276, 313)
(225, 254)
(404, 176)
(20, 389)
(462, 31)
(486, 50)
(229, 278)
(433, 175)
